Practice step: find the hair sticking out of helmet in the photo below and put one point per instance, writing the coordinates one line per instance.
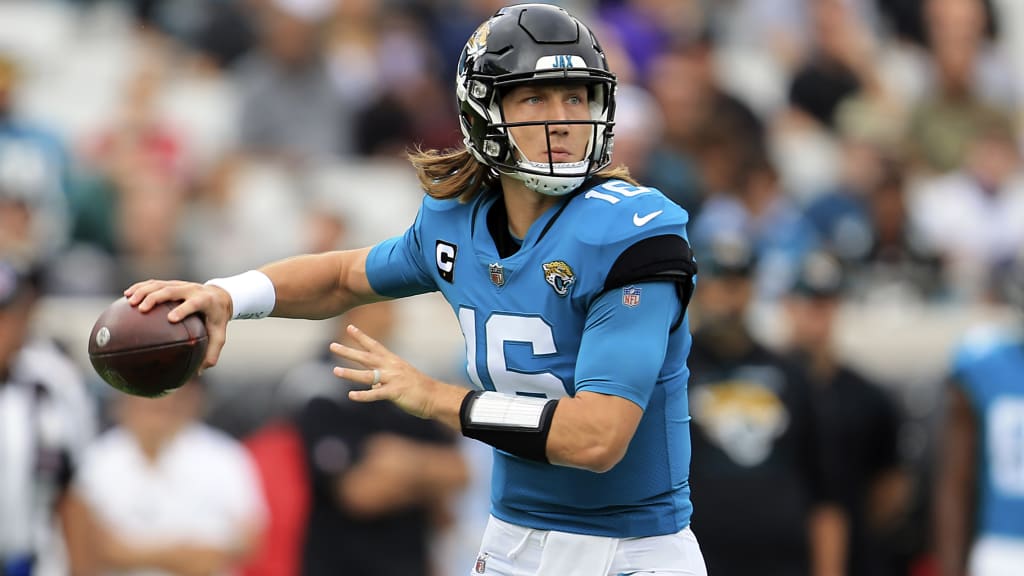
(533, 44)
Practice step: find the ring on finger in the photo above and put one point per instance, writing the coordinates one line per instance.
(376, 377)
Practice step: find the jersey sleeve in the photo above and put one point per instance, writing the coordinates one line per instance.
(395, 267)
(974, 352)
(638, 235)
(625, 339)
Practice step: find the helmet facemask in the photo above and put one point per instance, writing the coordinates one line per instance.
(485, 129)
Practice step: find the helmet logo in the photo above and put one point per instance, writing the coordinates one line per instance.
(560, 61)
(478, 41)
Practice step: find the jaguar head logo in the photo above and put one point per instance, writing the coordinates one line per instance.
(477, 43)
(559, 275)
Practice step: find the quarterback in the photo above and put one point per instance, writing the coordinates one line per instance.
(570, 282)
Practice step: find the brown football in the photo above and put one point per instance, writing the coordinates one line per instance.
(144, 354)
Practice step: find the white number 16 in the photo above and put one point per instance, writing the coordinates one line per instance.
(498, 330)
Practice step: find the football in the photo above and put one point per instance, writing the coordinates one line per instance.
(144, 354)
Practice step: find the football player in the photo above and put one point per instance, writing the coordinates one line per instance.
(570, 282)
(980, 487)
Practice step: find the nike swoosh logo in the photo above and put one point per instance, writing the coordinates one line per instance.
(639, 220)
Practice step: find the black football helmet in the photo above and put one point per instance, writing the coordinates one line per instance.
(529, 43)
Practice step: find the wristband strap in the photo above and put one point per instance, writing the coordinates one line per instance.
(518, 425)
(252, 294)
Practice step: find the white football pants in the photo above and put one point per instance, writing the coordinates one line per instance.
(997, 556)
(511, 550)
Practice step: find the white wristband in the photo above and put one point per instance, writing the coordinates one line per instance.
(507, 411)
(252, 294)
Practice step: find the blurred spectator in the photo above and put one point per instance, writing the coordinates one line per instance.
(142, 191)
(839, 65)
(380, 482)
(910, 25)
(34, 171)
(841, 216)
(866, 224)
(291, 109)
(639, 127)
(759, 213)
(411, 106)
(353, 39)
(973, 217)
(248, 210)
(703, 126)
(47, 419)
(225, 32)
(759, 453)
(646, 28)
(899, 261)
(451, 23)
(945, 122)
(906, 18)
(872, 486)
(775, 28)
(979, 498)
(162, 493)
(19, 211)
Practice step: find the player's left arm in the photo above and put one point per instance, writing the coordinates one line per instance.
(623, 350)
(956, 482)
(621, 354)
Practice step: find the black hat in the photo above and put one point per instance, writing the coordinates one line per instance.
(820, 276)
(727, 256)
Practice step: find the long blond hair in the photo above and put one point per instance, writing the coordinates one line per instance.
(455, 173)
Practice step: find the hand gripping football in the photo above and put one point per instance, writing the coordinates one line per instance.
(145, 354)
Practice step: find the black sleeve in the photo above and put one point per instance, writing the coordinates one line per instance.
(664, 257)
(65, 472)
(824, 450)
(821, 456)
(333, 437)
(888, 420)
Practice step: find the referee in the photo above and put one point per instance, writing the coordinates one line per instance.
(46, 419)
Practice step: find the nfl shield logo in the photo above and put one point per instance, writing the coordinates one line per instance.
(481, 564)
(497, 274)
(631, 296)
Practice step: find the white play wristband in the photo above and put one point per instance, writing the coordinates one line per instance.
(252, 294)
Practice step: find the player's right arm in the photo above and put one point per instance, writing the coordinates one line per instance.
(313, 286)
(318, 286)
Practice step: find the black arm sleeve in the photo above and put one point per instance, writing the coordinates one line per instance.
(664, 257)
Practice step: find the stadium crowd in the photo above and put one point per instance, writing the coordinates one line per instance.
(854, 179)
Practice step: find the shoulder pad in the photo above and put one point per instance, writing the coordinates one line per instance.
(616, 211)
(443, 205)
(982, 342)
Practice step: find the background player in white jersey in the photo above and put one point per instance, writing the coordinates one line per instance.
(570, 283)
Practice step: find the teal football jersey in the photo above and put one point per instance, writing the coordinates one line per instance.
(523, 318)
(989, 368)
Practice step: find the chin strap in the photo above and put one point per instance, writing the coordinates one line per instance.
(553, 184)
(550, 185)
